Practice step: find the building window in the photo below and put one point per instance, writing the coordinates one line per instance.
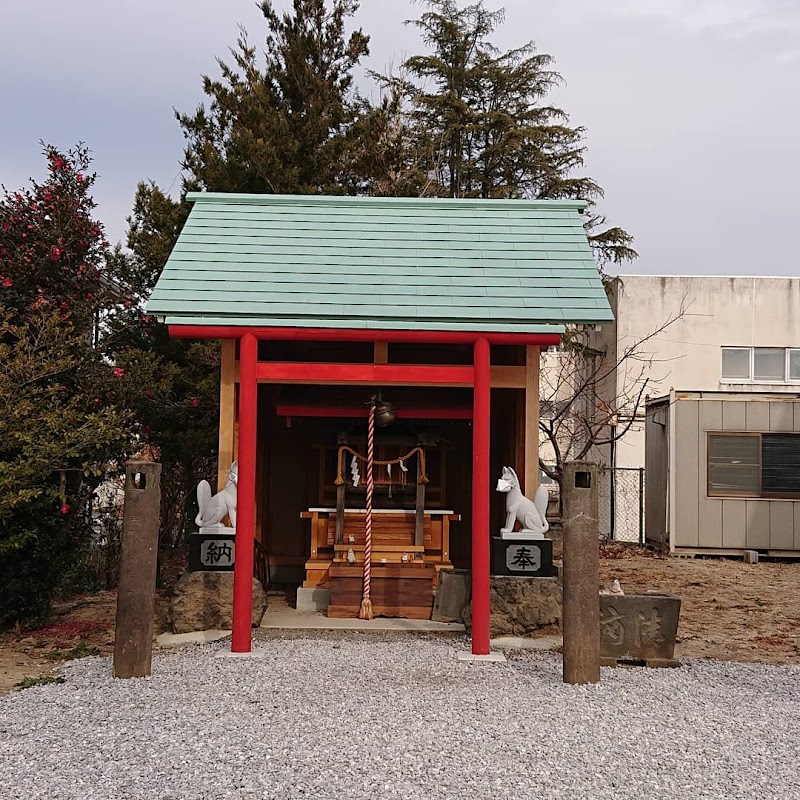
(760, 364)
(734, 464)
(794, 365)
(754, 465)
(769, 364)
(736, 363)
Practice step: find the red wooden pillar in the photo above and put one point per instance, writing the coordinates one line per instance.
(241, 641)
(480, 501)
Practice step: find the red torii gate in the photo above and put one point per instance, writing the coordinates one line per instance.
(251, 370)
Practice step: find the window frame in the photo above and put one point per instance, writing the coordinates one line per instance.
(731, 494)
(753, 375)
(749, 377)
(787, 380)
(747, 495)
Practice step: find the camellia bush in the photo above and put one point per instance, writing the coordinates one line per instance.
(61, 427)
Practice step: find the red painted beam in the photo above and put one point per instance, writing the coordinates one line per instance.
(480, 502)
(359, 335)
(295, 410)
(241, 639)
(383, 374)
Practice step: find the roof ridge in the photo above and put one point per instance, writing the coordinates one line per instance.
(333, 200)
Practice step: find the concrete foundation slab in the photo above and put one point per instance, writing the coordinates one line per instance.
(491, 658)
(290, 618)
(526, 642)
(195, 637)
(252, 654)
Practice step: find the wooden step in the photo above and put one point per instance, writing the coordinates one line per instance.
(397, 590)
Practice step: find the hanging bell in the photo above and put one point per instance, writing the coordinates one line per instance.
(384, 414)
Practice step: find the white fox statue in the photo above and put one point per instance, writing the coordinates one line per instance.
(213, 509)
(530, 513)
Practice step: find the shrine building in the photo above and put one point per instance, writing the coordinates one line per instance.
(431, 311)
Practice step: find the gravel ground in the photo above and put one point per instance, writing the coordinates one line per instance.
(393, 716)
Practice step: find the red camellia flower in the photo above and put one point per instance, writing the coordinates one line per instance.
(195, 402)
(55, 253)
(58, 162)
(64, 508)
(79, 177)
(119, 372)
(7, 283)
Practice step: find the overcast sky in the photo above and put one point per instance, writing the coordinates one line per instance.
(692, 107)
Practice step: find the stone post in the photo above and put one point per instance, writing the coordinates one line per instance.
(133, 641)
(581, 619)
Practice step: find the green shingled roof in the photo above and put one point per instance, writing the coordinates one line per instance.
(382, 263)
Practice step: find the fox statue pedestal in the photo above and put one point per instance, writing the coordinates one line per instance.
(204, 595)
(212, 550)
(522, 557)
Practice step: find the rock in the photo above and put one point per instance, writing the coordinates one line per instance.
(452, 594)
(521, 606)
(204, 601)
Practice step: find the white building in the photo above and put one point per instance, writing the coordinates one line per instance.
(732, 334)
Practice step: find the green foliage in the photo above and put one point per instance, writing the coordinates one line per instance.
(170, 385)
(38, 544)
(41, 680)
(60, 427)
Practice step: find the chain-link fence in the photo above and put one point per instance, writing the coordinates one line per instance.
(621, 504)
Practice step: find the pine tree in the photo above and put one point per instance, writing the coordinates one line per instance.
(482, 119)
(283, 128)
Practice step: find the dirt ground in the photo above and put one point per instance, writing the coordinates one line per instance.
(730, 611)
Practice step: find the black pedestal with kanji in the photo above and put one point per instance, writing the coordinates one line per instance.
(522, 558)
(212, 552)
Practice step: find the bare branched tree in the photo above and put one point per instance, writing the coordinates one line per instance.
(591, 393)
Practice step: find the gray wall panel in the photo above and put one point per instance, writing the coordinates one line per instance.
(709, 509)
(733, 416)
(734, 523)
(796, 525)
(781, 417)
(686, 474)
(757, 523)
(781, 525)
(710, 533)
(756, 416)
